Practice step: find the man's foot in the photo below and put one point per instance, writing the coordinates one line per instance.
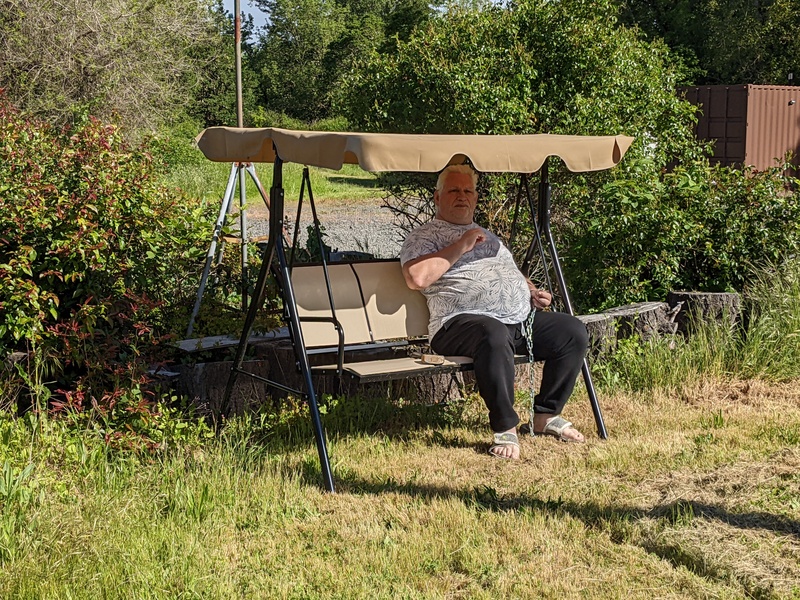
(545, 424)
(506, 445)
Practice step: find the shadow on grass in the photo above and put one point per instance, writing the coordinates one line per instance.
(623, 524)
(592, 514)
(383, 416)
(286, 420)
(618, 522)
(286, 426)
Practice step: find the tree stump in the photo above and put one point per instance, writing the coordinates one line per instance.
(648, 320)
(602, 334)
(204, 384)
(695, 308)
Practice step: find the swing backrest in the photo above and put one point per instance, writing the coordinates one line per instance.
(371, 302)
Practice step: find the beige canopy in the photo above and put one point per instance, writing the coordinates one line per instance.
(411, 152)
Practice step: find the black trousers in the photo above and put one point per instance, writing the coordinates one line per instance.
(559, 339)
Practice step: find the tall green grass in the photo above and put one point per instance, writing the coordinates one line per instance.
(764, 344)
(771, 345)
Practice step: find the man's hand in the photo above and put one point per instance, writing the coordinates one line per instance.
(539, 298)
(472, 238)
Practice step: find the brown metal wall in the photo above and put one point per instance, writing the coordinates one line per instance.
(773, 125)
(723, 120)
(749, 124)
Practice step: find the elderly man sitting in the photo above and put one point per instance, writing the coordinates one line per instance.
(478, 300)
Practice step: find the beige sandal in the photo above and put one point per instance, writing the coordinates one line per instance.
(556, 428)
(503, 439)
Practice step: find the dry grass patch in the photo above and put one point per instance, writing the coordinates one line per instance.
(704, 480)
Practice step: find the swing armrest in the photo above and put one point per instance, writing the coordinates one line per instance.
(339, 331)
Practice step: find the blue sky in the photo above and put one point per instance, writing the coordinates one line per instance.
(259, 18)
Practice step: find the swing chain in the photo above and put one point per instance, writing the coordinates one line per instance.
(528, 325)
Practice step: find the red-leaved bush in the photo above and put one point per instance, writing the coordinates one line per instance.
(96, 258)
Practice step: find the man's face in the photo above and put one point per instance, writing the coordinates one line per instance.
(456, 202)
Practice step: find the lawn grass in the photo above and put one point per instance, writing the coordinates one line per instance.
(695, 494)
(206, 180)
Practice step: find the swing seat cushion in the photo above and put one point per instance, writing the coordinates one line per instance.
(371, 302)
(401, 368)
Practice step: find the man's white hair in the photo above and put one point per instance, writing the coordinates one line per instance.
(456, 169)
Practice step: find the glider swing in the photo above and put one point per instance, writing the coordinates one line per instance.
(346, 306)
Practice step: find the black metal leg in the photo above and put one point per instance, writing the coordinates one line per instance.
(544, 225)
(305, 369)
(275, 249)
(247, 328)
(598, 414)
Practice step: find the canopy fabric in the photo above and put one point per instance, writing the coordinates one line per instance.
(428, 153)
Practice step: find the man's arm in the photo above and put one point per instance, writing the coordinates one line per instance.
(425, 270)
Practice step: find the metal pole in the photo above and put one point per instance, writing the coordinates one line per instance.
(290, 304)
(223, 211)
(305, 369)
(243, 233)
(544, 225)
(238, 38)
(240, 123)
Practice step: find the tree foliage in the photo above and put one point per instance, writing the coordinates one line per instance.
(309, 45)
(726, 41)
(214, 93)
(140, 61)
(654, 222)
(555, 67)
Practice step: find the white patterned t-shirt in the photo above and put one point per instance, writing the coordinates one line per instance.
(484, 281)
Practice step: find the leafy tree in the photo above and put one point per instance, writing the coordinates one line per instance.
(290, 60)
(309, 45)
(402, 18)
(556, 67)
(567, 67)
(138, 60)
(726, 41)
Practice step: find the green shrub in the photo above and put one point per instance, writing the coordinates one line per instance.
(174, 145)
(95, 260)
(271, 118)
(698, 227)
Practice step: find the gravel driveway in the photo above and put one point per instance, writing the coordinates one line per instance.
(363, 225)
